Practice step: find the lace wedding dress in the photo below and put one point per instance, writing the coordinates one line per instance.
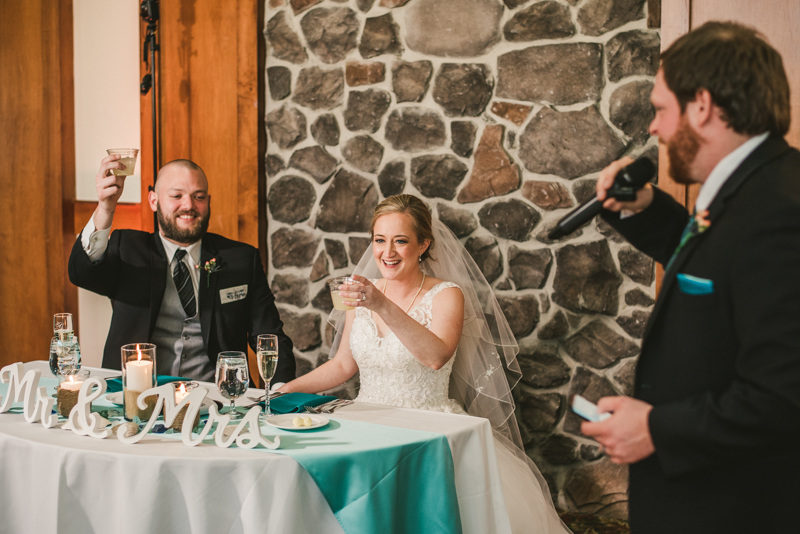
(390, 375)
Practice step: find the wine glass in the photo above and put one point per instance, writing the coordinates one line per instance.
(232, 377)
(65, 356)
(267, 355)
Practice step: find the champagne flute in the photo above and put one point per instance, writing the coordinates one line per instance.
(62, 326)
(232, 377)
(267, 355)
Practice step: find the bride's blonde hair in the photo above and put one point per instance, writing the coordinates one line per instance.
(418, 212)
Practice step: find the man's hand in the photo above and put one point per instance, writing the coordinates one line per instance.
(109, 189)
(644, 196)
(626, 434)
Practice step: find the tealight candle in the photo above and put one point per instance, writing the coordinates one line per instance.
(181, 392)
(69, 390)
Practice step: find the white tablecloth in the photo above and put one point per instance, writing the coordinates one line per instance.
(55, 481)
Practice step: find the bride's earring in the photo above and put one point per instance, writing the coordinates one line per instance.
(419, 259)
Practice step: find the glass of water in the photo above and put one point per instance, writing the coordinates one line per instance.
(65, 356)
(267, 355)
(232, 377)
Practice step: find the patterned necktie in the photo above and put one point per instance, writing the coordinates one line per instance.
(691, 230)
(183, 283)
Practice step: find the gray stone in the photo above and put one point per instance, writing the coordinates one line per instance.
(347, 204)
(592, 387)
(598, 488)
(547, 195)
(584, 189)
(337, 253)
(463, 89)
(274, 165)
(630, 110)
(358, 73)
(380, 36)
(596, 17)
(597, 345)
(393, 3)
(638, 265)
(286, 126)
(358, 246)
(558, 449)
(541, 412)
(555, 328)
(504, 285)
(317, 88)
(291, 199)
(608, 231)
(634, 324)
(493, 172)
(410, 80)
(462, 134)
(365, 109)
(363, 153)
(637, 297)
(415, 129)
(302, 328)
(298, 6)
(453, 28)
(586, 279)
(461, 222)
(509, 219)
(320, 268)
(364, 5)
(568, 144)
(325, 130)
(542, 368)
(292, 247)
(486, 253)
(330, 32)
(280, 82)
(315, 161)
(322, 300)
(542, 234)
(514, 4)
(437, 176)
(625, 375)
(529, 268)
(560, 74)
(392, 178)
(283, 41)
(543, 20)
(590, 453)
(290, 289)
(522, 313)
(632, 53)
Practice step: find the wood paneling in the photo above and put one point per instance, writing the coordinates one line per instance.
(126, 216)
(37, 173)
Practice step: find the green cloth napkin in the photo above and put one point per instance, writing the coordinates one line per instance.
(115, 384)
(296, 402)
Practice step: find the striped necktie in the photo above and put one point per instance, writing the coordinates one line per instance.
(183, 283)
(691, 230)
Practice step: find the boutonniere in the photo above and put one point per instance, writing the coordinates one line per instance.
(702, 221)
(210, 268)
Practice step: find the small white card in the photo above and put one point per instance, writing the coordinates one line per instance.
(232, 294)
(588, 410)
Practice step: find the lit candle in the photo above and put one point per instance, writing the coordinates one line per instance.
(140, 374)
(180, 394)
(71, 384)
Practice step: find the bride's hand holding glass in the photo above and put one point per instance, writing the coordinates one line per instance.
(362, 293)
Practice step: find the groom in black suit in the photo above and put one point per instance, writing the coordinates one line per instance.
(191, 293)
(712, 431)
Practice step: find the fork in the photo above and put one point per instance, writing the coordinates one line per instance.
(328, 407)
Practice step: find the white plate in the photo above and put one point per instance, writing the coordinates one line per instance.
(116, 398)
(285, 421)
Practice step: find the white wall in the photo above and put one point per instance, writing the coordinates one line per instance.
(106, 41)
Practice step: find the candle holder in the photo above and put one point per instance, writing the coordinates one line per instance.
(182, 389)
(138, 375)
(68, 390)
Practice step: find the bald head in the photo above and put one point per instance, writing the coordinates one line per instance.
(176, 168)
(181, 202)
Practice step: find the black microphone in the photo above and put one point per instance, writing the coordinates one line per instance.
(627, 181)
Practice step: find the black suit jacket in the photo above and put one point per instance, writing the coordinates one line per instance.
(722, 370)
(133, 273)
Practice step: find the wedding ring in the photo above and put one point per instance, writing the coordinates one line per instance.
(363, 296)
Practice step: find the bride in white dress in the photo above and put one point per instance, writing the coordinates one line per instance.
(431, 343)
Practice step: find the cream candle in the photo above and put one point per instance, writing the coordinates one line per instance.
(71, 383)
(140, 374)
(181, 394)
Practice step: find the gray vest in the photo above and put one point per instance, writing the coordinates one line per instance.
(179, 341)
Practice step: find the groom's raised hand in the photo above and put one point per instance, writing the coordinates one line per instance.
(625, 435)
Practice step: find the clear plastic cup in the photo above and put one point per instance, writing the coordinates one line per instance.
(127, 158)
(333, 284)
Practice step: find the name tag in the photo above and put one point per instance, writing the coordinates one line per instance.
(232, 294)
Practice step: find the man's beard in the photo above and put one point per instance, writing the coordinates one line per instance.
(682, 150)
(172, 232)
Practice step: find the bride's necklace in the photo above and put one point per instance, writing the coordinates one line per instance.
(415, 294)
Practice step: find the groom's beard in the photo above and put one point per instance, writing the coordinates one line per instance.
(682, 150)
(172, 231)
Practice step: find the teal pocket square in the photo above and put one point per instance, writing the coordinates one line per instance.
(693, 285)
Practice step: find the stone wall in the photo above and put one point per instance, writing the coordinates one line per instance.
(500, 114)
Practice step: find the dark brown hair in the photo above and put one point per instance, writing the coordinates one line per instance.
(413, 207)
(743, 73)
